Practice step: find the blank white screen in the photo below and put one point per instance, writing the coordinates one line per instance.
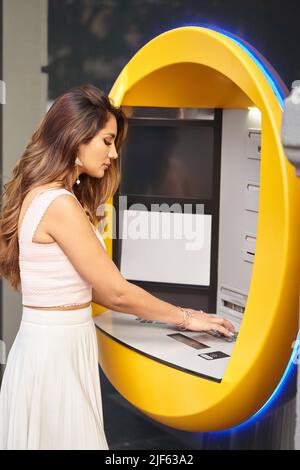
(166, 247)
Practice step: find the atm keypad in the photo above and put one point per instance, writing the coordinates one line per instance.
(228, 339)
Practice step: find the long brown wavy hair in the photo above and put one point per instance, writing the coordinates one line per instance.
(50, 157)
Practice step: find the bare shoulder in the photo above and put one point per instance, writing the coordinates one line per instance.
(66, 213)
(33, 192)
(41, 187)
(70, 227)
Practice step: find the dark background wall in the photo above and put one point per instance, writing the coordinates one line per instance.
(92, 40)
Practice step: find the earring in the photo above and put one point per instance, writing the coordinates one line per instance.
(78, 162)
(78, 180)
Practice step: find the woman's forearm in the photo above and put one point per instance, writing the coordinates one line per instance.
(139, 302)
(134, 300)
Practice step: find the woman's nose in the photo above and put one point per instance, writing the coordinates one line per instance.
(113, 153)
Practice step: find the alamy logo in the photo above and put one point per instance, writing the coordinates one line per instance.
(161, 222)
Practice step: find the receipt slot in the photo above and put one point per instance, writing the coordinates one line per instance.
(249, 269)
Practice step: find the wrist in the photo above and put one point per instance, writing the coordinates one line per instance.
(187, 316)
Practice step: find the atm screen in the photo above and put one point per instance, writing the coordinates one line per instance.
(168, 161)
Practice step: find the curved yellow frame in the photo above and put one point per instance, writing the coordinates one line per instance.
(198, 67)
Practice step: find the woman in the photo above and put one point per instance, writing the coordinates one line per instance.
(50, 393)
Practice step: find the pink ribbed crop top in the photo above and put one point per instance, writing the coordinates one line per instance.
(48, 278)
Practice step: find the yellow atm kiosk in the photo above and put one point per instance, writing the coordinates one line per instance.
(196, 84)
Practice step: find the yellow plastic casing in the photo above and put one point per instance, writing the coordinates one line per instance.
(199, 67)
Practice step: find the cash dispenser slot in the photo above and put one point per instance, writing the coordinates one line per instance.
(233, 302)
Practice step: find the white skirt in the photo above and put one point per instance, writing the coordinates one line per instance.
(50, 394)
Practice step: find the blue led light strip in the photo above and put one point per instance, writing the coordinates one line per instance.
(251, 54)
(292, 364)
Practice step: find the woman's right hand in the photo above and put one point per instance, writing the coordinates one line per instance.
(202, 321)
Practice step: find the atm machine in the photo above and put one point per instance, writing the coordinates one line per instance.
(207, 217)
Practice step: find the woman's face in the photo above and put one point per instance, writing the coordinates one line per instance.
(99, 152)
